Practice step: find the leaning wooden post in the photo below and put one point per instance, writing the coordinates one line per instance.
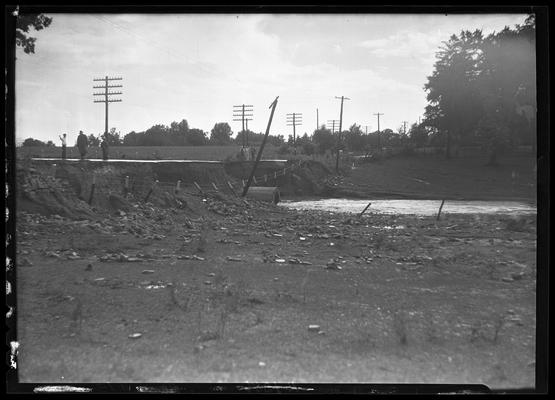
(231, 187)
(198, 188)
(92, 189)
(151, 190)
(365, 208)
(440, 207)
(273, 107)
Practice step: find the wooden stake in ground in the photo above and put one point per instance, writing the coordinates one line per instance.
(198, 188)
(365, 208)
(150, 191)
(440, 207)
(273, 107)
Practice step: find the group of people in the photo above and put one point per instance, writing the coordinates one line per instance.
(83, 145)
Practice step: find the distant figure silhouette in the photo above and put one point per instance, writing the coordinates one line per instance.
(64, 146)
(82, 144)
(104, 146)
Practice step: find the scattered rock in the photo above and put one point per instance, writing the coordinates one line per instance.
(89, 267)
(25, 262)
(314, 328)
(135, 335)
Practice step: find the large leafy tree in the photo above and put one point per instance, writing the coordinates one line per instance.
(483, 89)
(221, 134)
(23, 30)
(508, 88)
(323, 139)
(30, 142)
(353, 138)
(452, 90)
(197, 137)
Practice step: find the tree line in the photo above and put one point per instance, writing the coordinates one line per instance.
(483, 89)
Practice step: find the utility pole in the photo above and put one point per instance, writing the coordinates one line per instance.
(378, 114)
(333, 122)
(242, 113)
(405, 127)
(107, 93)
(259, 155)
(294, 119)
(317, 120)
(366, 127)
(339, 135)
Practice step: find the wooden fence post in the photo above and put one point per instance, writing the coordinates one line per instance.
(150, 191)
(440, 207)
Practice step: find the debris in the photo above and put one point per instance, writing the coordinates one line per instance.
(229, 258)
(135, 335)
(314, 328)
(517, 275)
(25, 262)
(332, 266)
(89, 267)
(148, 271)
(195, 257)
(261, 364)
(279, 260)
(507, 279)
(207, 282)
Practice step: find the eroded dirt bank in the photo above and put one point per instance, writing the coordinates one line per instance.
(215, 289)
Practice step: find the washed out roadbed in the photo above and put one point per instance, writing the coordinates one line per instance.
(274, 295)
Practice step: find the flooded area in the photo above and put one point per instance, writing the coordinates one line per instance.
(418, 207)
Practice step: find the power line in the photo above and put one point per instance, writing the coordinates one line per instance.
(333, 122)
(378, 115)
(106, 95)
(339, 135)
(242, 113)
(294, 119)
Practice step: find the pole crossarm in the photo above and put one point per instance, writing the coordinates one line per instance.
(107, 99)
(107, 79)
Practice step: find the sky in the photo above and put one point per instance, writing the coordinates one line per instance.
(198, 66)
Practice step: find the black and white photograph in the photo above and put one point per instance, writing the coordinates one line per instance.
(275, 197)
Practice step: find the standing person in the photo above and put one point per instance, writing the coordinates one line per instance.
(82, 144)
(104, 146)
(64, 146)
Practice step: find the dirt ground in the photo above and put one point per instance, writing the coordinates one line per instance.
(233, 298)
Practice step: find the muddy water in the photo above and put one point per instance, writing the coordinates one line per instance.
(418, 207)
